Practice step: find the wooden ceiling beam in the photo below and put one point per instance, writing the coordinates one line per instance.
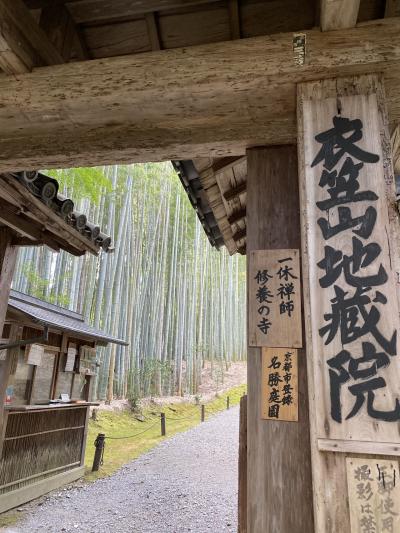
(102, 10)
(181, 104)
(23, 44)
(339, 14)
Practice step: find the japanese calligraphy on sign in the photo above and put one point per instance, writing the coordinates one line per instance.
(354, 308)
(274, 298)
(374, 495)
(279, 384)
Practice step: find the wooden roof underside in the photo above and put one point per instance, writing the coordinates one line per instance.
(35, 224)
(105, 28)
(195, 80)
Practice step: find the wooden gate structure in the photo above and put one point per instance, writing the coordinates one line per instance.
(231, 87)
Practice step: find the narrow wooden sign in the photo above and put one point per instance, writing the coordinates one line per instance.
(279, 384)
(374, 495)
(274, 299)
(352, 287)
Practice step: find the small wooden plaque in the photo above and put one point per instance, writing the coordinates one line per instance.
(374, 495)
(279, 384)
(274, 299)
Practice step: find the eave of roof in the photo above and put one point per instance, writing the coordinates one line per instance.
(57, 317)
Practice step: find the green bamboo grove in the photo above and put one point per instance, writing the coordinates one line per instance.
(164, 289)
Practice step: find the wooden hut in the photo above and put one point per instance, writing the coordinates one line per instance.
(51, 368)
(47, 354)
(239, 93)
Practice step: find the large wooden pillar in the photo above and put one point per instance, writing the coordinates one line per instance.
(350, 230)
(279, 464)
(8, 256)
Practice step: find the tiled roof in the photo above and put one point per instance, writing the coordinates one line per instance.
(57, 317)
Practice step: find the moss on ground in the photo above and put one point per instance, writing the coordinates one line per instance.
(9, 519)
(180, 417)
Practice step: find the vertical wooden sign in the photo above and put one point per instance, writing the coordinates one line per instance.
(274, 298)
(354, 311)
(279, 384)
(374, 495)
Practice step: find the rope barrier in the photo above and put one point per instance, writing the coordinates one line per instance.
(135, 435)
(101, 438)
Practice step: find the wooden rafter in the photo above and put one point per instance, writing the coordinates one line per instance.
(152, 30)
(23, 44)
(236, 191)
(239, 235)
(112, 110)
(392, 8)
(237, 216)
(60, 28)
(234, 19)
(32, 219)
(339, 14)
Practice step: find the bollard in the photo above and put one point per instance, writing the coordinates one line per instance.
(98, 454)
(227, 402)
(203, 413)
(163, 428)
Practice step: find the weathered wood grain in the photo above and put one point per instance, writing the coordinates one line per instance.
(178, 104)
(279, 466)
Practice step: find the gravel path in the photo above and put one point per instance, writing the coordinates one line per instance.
(187, 483)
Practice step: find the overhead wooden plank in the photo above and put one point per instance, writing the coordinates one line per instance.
(339, 14)
(279, 463)
(23, 44)
(82, 113)
(363, 99)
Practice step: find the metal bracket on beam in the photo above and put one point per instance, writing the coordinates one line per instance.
(43, 339)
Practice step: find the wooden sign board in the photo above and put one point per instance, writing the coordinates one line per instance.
(34, 354)
(374, 495)
(71, 356)
(274, 299)
(279, 384)
(353, 301)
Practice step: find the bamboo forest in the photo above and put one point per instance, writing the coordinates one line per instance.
(176, 300)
